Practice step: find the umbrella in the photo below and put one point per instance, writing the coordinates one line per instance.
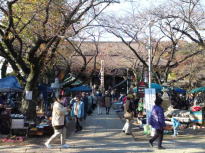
(201, 89)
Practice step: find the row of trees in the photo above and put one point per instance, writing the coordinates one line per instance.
(174, 26)
(31, 31)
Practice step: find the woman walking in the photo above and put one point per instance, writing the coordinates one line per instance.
(128, 115)
(157, 121)
(58, 122)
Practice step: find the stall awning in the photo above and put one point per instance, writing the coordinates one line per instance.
(179, 90)
(201, 89)
(10, 84)
(83, 88)
(71, 79)
(156, 86)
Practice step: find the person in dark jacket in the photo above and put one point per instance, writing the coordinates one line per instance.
(107, 100)
(157, 121)
(85, 101)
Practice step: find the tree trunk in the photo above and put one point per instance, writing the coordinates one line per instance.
(4, 69)
(28, 106)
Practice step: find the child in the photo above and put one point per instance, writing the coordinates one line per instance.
(175, 124)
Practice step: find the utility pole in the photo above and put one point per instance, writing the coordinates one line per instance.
(150, 93)
(150, 56)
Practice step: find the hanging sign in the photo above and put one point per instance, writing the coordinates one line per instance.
(141, 89)
(28, 95)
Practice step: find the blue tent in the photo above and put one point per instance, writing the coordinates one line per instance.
(156, 86)
(82, 88)
(159, 88)
(179, 90)
(10, 84)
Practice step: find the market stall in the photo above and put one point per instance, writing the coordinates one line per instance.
(198, 105)
(82, 88)
(10, 91)
(194, 115)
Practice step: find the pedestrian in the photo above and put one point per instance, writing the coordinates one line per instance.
(90, 103)
(94, 101)
(128, 115)
(175, 125)
(58, 122)
(85, 101)
(99, 102)
(78, 113)
(157, 121)
(135, 104)
(107, 99)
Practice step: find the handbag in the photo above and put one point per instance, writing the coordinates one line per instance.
(128, 115)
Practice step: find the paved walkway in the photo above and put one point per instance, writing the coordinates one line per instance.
(102, 134)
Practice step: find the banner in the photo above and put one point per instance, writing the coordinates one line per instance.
(150, 96)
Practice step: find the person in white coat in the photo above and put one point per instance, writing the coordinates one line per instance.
(128, 115)
(58, 122)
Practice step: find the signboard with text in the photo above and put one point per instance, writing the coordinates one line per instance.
(141, 88)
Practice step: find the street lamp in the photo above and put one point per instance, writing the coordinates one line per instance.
(150, 54)
(150, 94)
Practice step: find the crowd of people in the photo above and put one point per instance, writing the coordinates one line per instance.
(82, 104)
(77, 107)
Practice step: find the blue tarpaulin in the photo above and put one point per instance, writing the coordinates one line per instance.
(159, 88)
(82, 88)
(156, 86)
(10, 84)
(179, 90)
